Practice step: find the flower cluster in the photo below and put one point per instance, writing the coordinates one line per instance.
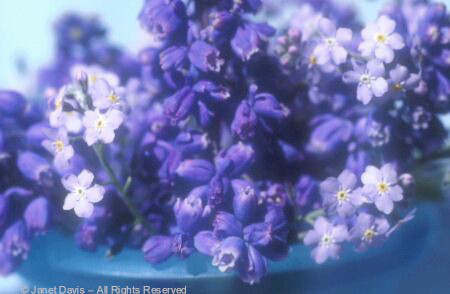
(225, 135)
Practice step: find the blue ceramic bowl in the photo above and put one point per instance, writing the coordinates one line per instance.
(401, 265)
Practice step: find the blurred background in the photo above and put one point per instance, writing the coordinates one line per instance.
(27, 39)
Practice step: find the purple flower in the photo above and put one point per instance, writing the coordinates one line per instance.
(255, 268)
(206, 242)
(212, 91)
(173, 58)
(230, 254)
(36, 168)
(266, 105)
(180, 104)
(236, 159)
(37, 215)
(182, 245)
(368, 230)
(249, 38)
(329, 134)
(307, 191)
(225, 224)
(16, 241)
(189, 211)
(195, 170)
(163, 19)
(82, 195)
(380, 40)
(326, 237)
(157, 248)
(12, 103)
(339, 193)
(245, 200)
(381, 187)
(333, 41)
(370, 80)
(217, 190)
(245, 121)
(101, 126)
(58, 144)
(205, 57)
(401, 80)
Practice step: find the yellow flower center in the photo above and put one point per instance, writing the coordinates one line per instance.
(369, 234)
(398, 87)
(381, 38)
(313, 60)
(93, 78)
(383, 187)
(58, 103)
(342, 196)
(59, 145)
(113, 98)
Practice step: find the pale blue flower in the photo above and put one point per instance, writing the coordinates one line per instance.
(326, 237)
(370, 80)
(381, 187)
(333, 41)
(82, 193)
(101, 126)
(58, 144)
(380, 40)
(339, 193)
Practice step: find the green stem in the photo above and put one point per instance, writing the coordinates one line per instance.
(123, 191)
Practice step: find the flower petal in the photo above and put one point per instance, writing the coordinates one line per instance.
(386, 24)
(396, 41)
(85, 178)
(363, 93)
(70, 201)
(379, 87)
(95, 194)
(83, 208)
(384, 53)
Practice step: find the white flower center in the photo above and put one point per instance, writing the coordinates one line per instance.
(330, 42)
(100, 123)
(327, 240)
(365, 79)
(342, 196)
(81, 192)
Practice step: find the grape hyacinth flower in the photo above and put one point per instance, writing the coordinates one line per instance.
(381, 187)
(58, 144)
(370, 80)
(101, 126)
(82, 193)
(339, 193)
(333, 41)
(380, 40)
(326, 237)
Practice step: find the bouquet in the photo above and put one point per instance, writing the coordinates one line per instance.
(244, 127)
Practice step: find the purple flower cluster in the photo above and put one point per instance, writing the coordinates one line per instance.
(217, 136)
